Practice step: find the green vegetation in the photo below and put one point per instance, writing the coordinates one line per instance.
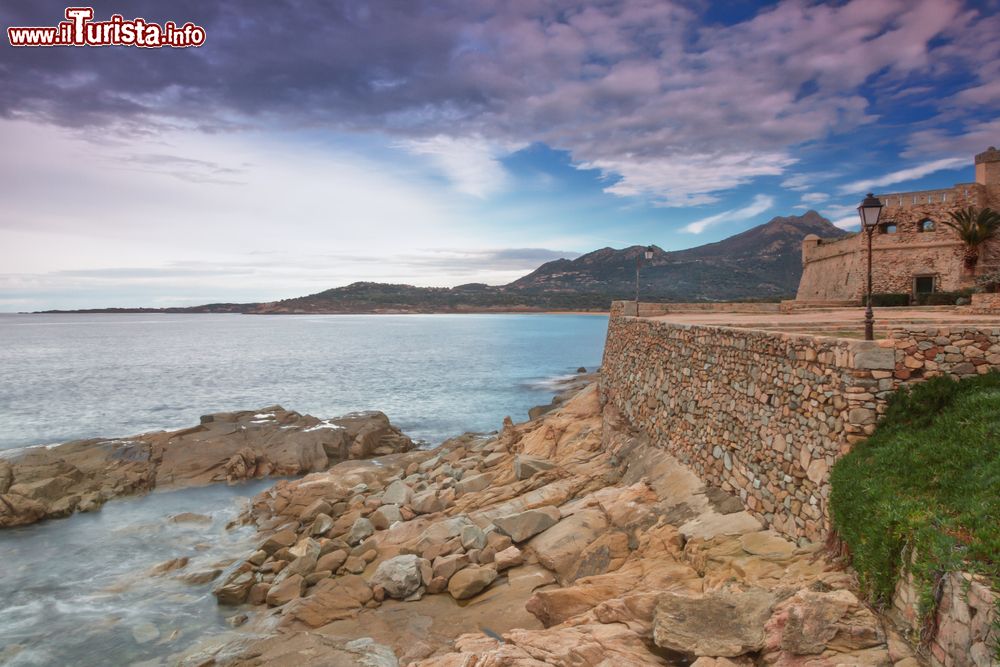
(890, 299)
(974, 228)
(944, 298)
(925, 487)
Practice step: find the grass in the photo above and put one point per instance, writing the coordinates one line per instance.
(925, 487)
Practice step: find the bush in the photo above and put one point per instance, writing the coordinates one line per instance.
(890, 299)
(922, 494)
(943, 298)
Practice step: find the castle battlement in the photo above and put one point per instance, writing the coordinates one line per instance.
(913, 251)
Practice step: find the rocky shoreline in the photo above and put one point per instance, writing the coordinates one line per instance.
(55, 481)
(565, 540)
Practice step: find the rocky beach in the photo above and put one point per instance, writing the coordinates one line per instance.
(563, 540)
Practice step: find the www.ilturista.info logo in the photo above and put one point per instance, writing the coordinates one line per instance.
(80, 30)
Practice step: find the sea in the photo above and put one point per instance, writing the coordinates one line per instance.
(76, 591)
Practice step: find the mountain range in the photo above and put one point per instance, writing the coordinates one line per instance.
(761, 263)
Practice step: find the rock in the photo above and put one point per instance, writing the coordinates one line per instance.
(473, 483)
(508, 558)
(470, 581)
(355, 565)
(559, 548)
(6, 476)
(811, 622)
(190, 517)
(360, 531)
(321, 525)
(201, 577)
(446, 566)
(281, 539)
(257, 557)
(398, 493)
(331, 600)
(473, 537)
(332, 561)
(385, 516)
(523, 525)
(258, 593)
(286, 591)
(235, 588)
(145, 633)
(718, 624)
(314, 509)
(526, 467)
(18, 510)
(767, 544)
(426, 503)
(400, 576)
(169, 566)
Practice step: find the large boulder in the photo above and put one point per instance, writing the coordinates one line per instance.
(286, 591)
(398, 493)
(236, 585)
(813, 622)
(524, 525)
(400, 577)
(718, 624)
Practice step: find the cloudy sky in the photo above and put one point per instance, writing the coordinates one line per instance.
(312, 143)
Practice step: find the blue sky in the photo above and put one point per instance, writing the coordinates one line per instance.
(309, 144)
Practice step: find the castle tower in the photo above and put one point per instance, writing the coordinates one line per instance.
(988, 175)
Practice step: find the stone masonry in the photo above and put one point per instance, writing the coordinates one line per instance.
(765, 414)
(911, 242)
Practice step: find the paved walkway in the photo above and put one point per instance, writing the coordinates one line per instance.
(840, 322)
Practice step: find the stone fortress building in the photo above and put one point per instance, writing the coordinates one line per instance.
(912, 251)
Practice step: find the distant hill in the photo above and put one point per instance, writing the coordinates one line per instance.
(761, 263)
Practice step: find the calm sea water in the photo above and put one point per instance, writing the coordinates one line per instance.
(76, 376)
(75, 591)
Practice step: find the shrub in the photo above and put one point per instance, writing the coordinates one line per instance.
(989, 282)
(943, 298)
(922, 494)
(890, 299)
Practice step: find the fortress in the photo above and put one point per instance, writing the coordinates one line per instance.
(913, 252)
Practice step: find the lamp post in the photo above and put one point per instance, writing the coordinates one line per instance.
(870, 210)
(648, 253)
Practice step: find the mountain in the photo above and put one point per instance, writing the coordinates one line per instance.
(761, 263)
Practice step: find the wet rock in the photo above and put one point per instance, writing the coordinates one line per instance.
(401, 576)
(18, 510)
(190, 517)
(145, 633)
(524, 525)
(470, 581)
(718, 624)
(235, 588)
(201, 577)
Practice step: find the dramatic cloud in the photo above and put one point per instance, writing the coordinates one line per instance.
(904, 175)
(760, 204)
(669, 107)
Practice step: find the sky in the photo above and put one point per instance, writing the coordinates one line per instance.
(313, 143)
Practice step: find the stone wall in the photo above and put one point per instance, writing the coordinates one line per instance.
(766, 414)
(966, 620)
(836, 270)
(985, 303)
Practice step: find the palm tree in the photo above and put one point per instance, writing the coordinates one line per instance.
(974, 228)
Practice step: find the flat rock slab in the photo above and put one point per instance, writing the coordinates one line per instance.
(767, 544)
(719, 624)
(523, 525)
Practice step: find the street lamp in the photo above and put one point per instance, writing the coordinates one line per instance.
(870, 210)
(648, 253)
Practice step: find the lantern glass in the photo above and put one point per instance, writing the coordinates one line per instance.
(870, 210)
(649, 253)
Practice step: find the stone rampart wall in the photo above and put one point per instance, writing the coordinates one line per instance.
(766, 414)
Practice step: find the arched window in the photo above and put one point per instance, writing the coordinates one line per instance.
(925, 225)
(887, 228)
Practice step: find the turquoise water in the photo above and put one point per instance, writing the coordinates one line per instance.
(77, 376)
